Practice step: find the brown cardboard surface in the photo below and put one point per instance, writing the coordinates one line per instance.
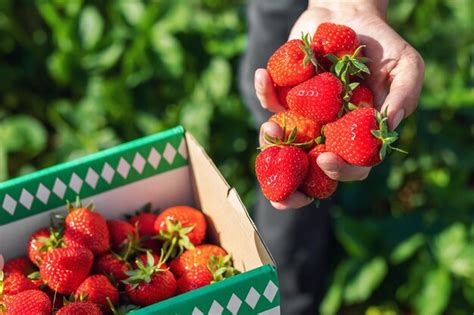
(230, 225)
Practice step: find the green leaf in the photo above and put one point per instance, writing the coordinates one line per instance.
(450, 244)
(367, 278)
(105, 59)
(435, 291)
(91, 26)
(22, 134)
(463, 265)
(357, 237)
(132, 10)
(406, 248)
(217, 79)
(169, 51)
(332, 300)
(468, 292)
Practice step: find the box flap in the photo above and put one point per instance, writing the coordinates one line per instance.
(221, 202)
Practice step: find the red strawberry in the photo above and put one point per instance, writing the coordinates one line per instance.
(15, 283)
(194, 278)
(280, 170)
(306, 129)
(64, 269)
(20, 265)
(318, 99)
(361, 137)
(362, 96)
(41, 242)
(207, 271)
(199, 256)
(97, 289)
(35, 244)
(282, 92)
(317, 184)
(292, 63)
(335, 39)
(29, 302)
(150, 283)
(79, 308)
(86, 228)
(120, 232)
(186, 225)
(145, 222)
(110, 264)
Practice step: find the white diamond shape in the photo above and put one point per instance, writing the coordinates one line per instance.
(107, 173)
(91, 178)
(9, 204)
(59, 188)
(234, 304)
(169, 153)
(270, 291)
(26, 199)
(154, 158)
(182, 150)
(252, 298)
(197, 311)
(273, 311)
(138, 163)
(216, 308)
(75, 183)
(123, 168)
(43, 193)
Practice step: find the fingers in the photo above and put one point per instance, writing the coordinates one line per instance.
(271, 129)
(405, 88)
(335, 167)
(266, 92)
(294, 201)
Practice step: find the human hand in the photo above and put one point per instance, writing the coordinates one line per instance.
(396, 78)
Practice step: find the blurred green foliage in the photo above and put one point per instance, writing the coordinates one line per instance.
(79, 76)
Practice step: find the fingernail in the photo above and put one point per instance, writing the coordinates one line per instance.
(398, 118)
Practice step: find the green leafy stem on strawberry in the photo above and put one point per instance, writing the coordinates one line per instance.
(347, 66)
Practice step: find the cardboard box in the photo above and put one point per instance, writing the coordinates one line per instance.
(169, 168)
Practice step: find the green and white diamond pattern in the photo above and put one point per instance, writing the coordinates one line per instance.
(95, 174)
(235, 303)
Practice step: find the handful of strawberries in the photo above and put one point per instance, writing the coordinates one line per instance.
(90, 265)
(328, 109)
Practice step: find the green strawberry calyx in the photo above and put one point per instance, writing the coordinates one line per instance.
(78, 205)
(346, 66)
(144, 272)
(221, 267)
(383, 134)
(308, 51)
(285, 141)
(175, 239)
(55, 240)
(82, 297)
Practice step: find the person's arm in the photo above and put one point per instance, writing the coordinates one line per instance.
(397, 71)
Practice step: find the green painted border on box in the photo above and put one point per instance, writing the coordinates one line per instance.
(50, 188)
(260, 284)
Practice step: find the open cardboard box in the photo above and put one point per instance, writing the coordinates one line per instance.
(166, 169)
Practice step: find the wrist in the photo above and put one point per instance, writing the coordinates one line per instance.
(350, 7)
